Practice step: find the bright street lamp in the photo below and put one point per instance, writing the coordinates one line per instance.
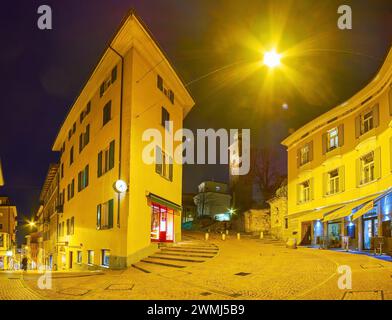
(271, 58)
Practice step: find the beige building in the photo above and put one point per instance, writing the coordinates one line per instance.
(8, 223)
(340, 170)
(114, 207)
(279, 214)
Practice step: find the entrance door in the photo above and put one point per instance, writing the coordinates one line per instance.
(370, 230)
(70, 259)
(306, 233)
(162, 223)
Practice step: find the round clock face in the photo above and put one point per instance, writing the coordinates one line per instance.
(120, 186)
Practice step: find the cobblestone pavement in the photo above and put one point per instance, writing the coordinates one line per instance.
(231, 269)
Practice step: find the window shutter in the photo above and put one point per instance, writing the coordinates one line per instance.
(341, 135)
(311, 185)
(377, 163)
(324, 142)
(87, 135)
(325, 183)
(311, 151)
(358, 172)
(342, 178)
(376, 115)
(171, 170)
(159, 82)
(110, 218)
(100, 164)
(298, 193)
(80, 142)
(114, 74)
(86, 170)
(158, 160)
(357, 127)
(298, 157)
(79, 181)
(99, 216)
(111, 155)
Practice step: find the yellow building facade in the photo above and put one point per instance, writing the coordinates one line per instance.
(102, 223)
(340, 171)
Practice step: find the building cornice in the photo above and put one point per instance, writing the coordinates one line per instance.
(360, 100)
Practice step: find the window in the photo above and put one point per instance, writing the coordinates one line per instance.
(351, 230)
(159, 82)
(71, 156)
(367, 168)
(333, 139)
(107, 113)
(106, 159)
(83, 179)
(305, 154)
(79, 257)
(165, 116)
(105, 215)
(105, 257)
(108, 82)
(71, 190)
(90, 257)
(72, 226)
(286, 223)
(164, 164)
(84, 138)
(85, 112)
(1, 226)
(68, 227)
(367, 121)
(333, 182)
(74, 128)
(62, 171)
(304, 191)
(62, 150)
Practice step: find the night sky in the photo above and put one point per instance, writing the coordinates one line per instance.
(42, 71)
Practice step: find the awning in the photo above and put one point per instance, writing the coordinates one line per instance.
(164, 202)
(319, 214)
(370, 205)
(347, 208)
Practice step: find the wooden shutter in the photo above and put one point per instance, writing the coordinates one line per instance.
(80, 142)
(99, 209)
(114, 74)
(342, 179)
(79, 181)
(298, 193)
(87, 135)
(341, 135)
(158, 160)
(376, 115)
(99, 164)
(377, 163)
(111, 155)
(325, 183)
(86, 174)
(110, 216)
(298, 157)
(324, 142)
(312, 191)
(358, 171)
(357, 127)
(311, 156)
(171, 169)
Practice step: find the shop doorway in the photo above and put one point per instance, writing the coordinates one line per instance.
(306, 233)
(70, 259)
(334, 234)
(162, 223)
(370, 230)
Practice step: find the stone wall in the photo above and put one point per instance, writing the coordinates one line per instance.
(257, 220)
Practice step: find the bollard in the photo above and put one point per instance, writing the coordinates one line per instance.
(207, 236)
(227, 232)
(238, 236)
(223, 236)
(261, 235)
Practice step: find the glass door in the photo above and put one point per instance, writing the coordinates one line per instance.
(162, 224)
(370, 230)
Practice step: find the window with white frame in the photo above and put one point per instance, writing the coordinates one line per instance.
(304, 191)
(367, 168)
(79, 257)
(105, 215)
(105, 257)
(333, 138)
(305, 154)
(163, 164)
(333, 182)
(367, 122)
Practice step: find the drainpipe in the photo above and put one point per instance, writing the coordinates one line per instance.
(120, 132)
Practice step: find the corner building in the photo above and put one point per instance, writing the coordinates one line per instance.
(133, 88)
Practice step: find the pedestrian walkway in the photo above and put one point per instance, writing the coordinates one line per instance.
(12, 287)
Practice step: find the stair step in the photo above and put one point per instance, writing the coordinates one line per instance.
(165, 264)
(175, 259)
(186, 255)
